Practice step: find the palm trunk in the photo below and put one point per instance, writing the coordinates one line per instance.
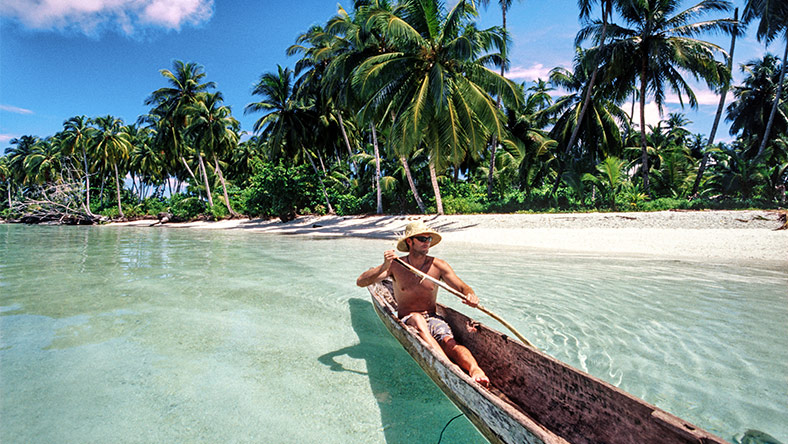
(347, 141)
(224, 187)
(586, 99)
(724, 92)
(103, 182)
(322, 185)
(117, 186)
(436, 188)
(494, 145)
(491, 170)
(643, 144)
(205, 177)
(412, 184)
(776, 103)
(87, 182)
(377, 169)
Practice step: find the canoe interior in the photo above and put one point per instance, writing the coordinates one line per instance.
(569, 403)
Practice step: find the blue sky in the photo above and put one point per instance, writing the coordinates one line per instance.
(63, 58)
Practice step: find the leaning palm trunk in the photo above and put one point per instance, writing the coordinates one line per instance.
(117, 186)
(776, 103)
(320, 178)
(412, 184)
(87, 182)
(724, 92)
(377, 169)
(586, 101)
(224, 188)
(492, 165)
(643, 142)
(494, 146)
(344, 136)
(205, 177)
(191, 173)
(436, 188)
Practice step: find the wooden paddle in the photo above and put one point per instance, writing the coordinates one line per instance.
(446, 287)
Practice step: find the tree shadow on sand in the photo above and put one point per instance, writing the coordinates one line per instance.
(412, 408)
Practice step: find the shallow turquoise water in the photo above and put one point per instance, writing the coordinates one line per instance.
(159, 335)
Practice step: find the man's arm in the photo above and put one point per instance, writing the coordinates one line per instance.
(450, 277)
(377, 274)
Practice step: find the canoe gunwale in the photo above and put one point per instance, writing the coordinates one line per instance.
(545, 400)
(509, 423)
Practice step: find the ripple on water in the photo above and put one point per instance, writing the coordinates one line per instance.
(233, 336)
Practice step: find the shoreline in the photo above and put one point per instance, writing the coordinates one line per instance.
(748, 237)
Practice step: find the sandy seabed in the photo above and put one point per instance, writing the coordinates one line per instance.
(745, 237)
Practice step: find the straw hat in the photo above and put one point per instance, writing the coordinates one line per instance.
(415, 229)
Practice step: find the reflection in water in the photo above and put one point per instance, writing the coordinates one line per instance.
(402, 390)
(164, 335)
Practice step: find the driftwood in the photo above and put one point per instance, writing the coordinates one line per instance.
(59, 203)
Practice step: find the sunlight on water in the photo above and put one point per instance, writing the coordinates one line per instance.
(159, 335)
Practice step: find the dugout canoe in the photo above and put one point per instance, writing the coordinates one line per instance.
(533, 398)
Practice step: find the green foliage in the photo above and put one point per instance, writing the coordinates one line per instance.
(185, 207)
(346, 204)
(276, 190)
(154, 205)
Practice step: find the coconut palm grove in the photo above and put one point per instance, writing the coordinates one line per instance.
(404, 107)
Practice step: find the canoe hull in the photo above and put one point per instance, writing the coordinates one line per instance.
(533, 398)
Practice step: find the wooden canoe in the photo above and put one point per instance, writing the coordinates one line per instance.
(533, 398)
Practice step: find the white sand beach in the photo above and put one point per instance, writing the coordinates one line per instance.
(749, 237)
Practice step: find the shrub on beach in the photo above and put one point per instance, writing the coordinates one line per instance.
(280, 191)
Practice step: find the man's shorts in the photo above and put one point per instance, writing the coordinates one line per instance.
(439, 329)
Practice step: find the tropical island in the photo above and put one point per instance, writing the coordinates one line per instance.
(405, 108)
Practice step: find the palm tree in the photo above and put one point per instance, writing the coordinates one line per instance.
(215, 132)
(610, 178)
(145, 160)
(723, 94)
(6, 177)
(661, 43)
(77, 138)
(749, 113)
(113, 146)
(774, 22)
(599, 130)
(434, 82)
(185, 88)
(287, 123)
(505, 6)
(585, 12)
(43, 162)
(17, 154)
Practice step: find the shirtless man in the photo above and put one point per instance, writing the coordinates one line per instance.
(416, 298)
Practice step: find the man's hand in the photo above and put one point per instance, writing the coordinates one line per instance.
(471, 299)
(377, 274)
(388, 258)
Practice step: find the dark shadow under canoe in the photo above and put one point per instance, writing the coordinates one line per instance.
(533, 397)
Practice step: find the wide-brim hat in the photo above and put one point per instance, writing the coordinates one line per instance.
(417, 228)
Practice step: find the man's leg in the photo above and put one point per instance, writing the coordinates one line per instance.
(417, 320)
(463, 357)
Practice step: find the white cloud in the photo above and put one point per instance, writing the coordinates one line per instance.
(704, 96)
(536, 71)
(14, 109)
(652, 115)
(90, 16)
(5, 138)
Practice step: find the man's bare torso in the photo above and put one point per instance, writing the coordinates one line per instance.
(411, 292)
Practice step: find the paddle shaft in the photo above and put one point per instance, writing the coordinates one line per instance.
(451, 290)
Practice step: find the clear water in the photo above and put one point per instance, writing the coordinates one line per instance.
(131, 335)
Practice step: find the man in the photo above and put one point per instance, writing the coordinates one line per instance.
(416, 297)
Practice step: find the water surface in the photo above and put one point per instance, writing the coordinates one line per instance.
(159, 335)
